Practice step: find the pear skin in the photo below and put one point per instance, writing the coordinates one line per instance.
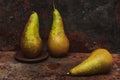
(58, 43)
(99, 62)
(31, 42)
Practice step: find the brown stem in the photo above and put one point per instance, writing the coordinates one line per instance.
(54, 4)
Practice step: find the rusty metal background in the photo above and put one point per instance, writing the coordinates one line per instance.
(87, 22)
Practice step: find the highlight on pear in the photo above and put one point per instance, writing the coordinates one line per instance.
(31, 43)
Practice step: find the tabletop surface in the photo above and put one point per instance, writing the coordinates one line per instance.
(51, 68)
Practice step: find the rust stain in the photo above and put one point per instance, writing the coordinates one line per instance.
(54, 66)
(117, 12)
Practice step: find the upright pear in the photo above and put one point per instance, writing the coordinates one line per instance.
(100, 61)
(31, 42)
(58, 43)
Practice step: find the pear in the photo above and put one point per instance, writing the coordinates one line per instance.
(31, 42)
(58, 43)
(99, 62)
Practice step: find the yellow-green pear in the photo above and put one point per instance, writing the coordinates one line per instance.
(99, 62)
(31, 42)
(58, 43)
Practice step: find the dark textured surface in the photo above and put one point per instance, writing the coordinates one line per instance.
(88, 23)
(51, 69)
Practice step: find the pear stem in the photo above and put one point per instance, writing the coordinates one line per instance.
(54, 4)
(68, 73)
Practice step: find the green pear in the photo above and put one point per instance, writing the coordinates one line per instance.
(99, 62)
(58, 43)
(31, 42)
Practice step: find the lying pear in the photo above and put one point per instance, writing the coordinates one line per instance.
(99, 62)
(58, 43)
(31, 42)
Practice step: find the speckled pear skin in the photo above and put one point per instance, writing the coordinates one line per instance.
(58, 43)
(31, 42)
(100, 61)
